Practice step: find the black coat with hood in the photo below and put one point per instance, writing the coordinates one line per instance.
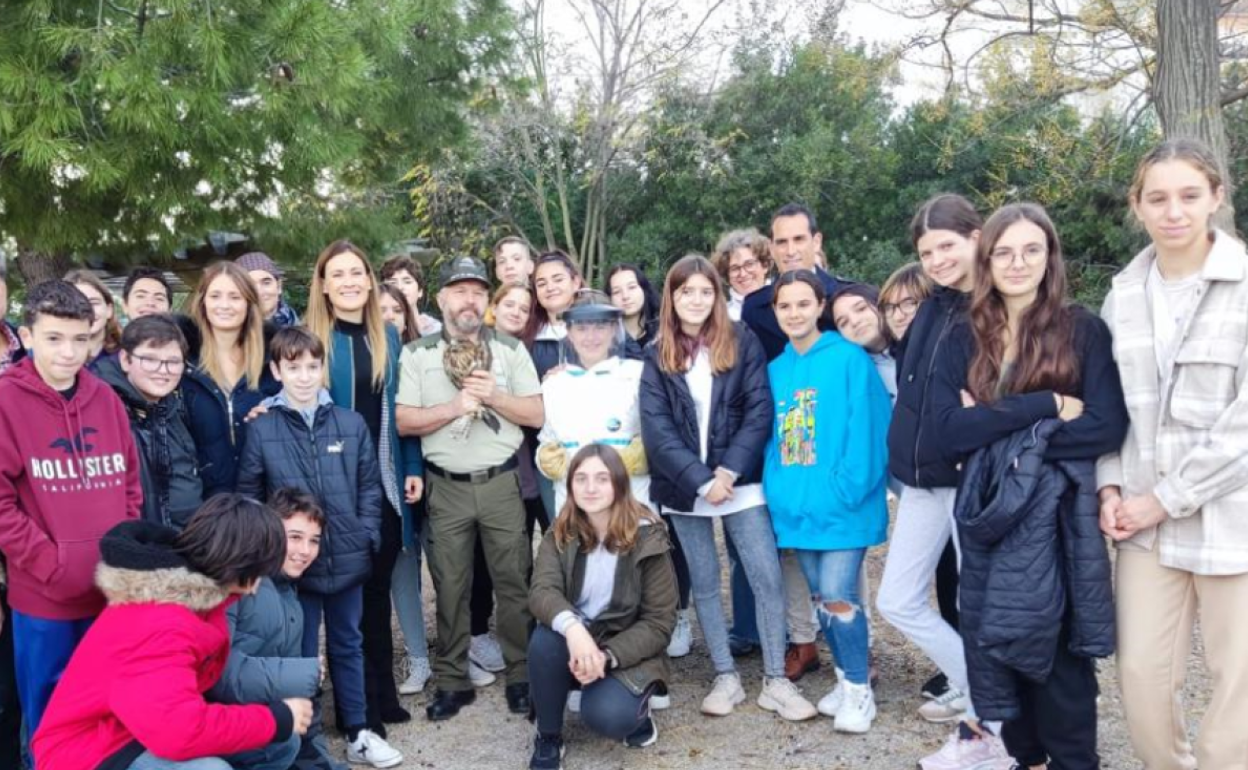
(740, 424)
(334, 460)
(168, 462)
(915, 454)
(1033, 561)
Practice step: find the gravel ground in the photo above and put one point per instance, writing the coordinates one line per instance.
(486, 736)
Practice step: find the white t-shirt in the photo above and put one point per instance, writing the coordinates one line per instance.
(701, 381)
(1172, 302)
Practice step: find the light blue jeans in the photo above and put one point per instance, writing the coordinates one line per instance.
(755, 542)
(834, 582)
(408, 605)
(275, 756)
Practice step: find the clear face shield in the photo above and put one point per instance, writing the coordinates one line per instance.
(595, 331)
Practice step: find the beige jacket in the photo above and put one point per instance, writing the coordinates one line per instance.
(1188, 440)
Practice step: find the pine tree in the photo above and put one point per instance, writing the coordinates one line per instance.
(133, 127)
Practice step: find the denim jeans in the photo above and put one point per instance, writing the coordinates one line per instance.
(744, 618)
(834, 581)
(607, 706)
(275, 756)
(345, 645)
(756, 547)
(408, 606)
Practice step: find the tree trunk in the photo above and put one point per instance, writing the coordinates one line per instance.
(37, 267)
(1187, 87)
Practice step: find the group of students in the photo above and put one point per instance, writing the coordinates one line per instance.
(1017, 430)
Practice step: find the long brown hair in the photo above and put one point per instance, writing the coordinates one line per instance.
(1045, 357)
(409, 332)
(320, 315)
(250, 338)
(531, 326)
(112, 329)
(675, 348)
(626, 513)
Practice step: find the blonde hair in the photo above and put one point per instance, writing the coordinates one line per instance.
(250, 338)
(910, 277)
(320, 315)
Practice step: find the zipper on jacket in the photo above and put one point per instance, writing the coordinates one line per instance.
(931, 367)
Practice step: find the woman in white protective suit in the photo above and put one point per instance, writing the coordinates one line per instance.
(593, 398)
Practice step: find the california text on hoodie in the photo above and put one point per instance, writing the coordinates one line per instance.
(68, 472)
(825, 472)
(137, 680)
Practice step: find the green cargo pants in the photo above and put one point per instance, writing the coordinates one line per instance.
(458, 510)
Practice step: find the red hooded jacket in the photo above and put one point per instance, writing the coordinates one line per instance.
(68, 472)
(137, 679)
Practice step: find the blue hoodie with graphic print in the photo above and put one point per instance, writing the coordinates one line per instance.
(825, 471)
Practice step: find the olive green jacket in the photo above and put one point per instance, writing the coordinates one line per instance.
(637, 625)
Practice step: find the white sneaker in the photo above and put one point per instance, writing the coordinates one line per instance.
(831, 703)
(857, 709)
(485, 652)
(949, 707)
(370, 749)
(418, 675)
(724, 696)
(574, 701)
(479, 676)
(782, 696)
(682, 636)
(968, 750)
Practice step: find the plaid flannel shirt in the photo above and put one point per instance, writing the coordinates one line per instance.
(1188, 440)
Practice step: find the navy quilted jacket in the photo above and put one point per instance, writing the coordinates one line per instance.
(1033, 559)
(334, 461)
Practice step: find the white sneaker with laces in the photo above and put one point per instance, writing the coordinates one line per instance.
(831, 703)
(857, 710)
(782, 696)
(479, 676)
(418, 675)
(485, 652)
(967, 750)
(947, 708)
(369, 748)
(682, 636)
(724, 696)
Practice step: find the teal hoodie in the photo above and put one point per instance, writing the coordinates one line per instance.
(825, 472)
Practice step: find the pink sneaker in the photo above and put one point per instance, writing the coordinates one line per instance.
(967, 750)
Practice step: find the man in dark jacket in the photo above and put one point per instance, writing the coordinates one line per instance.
(266, 661)
(307, 443)
(145, 376)
(795, 245)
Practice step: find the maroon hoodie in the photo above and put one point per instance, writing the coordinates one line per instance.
(68, 472)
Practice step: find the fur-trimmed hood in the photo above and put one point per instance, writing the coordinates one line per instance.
(140, 565)
(177, 585)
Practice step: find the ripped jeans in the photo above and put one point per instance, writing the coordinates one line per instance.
(834, 583)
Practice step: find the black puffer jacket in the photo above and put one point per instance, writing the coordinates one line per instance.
(168, 463)
(1033, 559)
(334, 461)
(741, 417)
(915, 454)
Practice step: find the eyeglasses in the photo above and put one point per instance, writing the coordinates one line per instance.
(1031, 255)
(906, 307)
(153, 365)
(748, 266)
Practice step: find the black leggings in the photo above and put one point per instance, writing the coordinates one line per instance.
(683, 584)
(947, 584)
(379, 687)
(607, 706)
(1058, 720)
